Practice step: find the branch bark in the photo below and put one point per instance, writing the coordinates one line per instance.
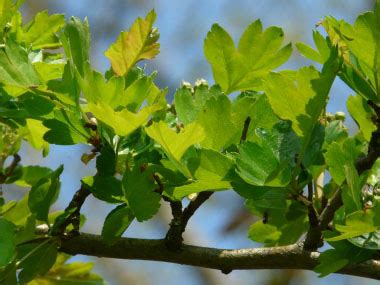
(226, 260)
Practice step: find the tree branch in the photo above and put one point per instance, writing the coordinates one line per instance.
(286, 257)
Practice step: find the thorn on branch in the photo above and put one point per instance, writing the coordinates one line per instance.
(245, 129)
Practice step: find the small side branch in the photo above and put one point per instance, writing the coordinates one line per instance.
(71, 216)
(180, 219)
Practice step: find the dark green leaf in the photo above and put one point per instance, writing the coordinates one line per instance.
(117, 221)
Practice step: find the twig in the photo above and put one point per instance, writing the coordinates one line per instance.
(193, 206)
(10, 169)
(71, 216)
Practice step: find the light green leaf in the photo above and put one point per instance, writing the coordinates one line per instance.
(175, 144)
(320, 55)
(215, 119)
(123, 122)
(362, 114)
(243, 68)
(188, 103)
(139, 190)
(40, 33)
(15, 68)
(117, 221)
(74, 273)
(35, 131)
(308, 91)
(357, 223)
(76, 43)
(140, 42)
(258, 109)
(210, 171)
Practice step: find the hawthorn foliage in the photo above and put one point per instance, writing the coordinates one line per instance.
(295, 165)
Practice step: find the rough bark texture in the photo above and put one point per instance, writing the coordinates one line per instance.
(285, 257)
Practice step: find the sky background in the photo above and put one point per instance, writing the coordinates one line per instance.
(183, 26)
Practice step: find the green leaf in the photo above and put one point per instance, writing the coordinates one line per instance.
(117, 221)
(258, 109)
(15, 67)
(40, 33)
(139, 188)
(320, 55)
(32, 174)
(362, 114)
(105, 188)
(282, 227)
(106, 161)
(66, 129)
(37, 259)
(269, 161)
(44, 193)
(35, 131)
(308, 91)
(7, 242)
(175, 144)
(188, 103)
(331, 261)
(123, 122)
(215, 119)
(243, 68)
(17, 212)
(210, 170)
(261, 197)
(357, 223)
(76, 43)
(140, 42)
(75, 273)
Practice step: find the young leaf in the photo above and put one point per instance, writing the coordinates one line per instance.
(357, 223)
(175, 144)
(76, 42)
(215, 118)
(140, 42)
(40, 33)
(308, 91)
(123, 122)
(15, 67)
(117, 221)
(243, 68)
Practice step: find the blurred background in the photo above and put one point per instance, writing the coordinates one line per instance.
(222, 221)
